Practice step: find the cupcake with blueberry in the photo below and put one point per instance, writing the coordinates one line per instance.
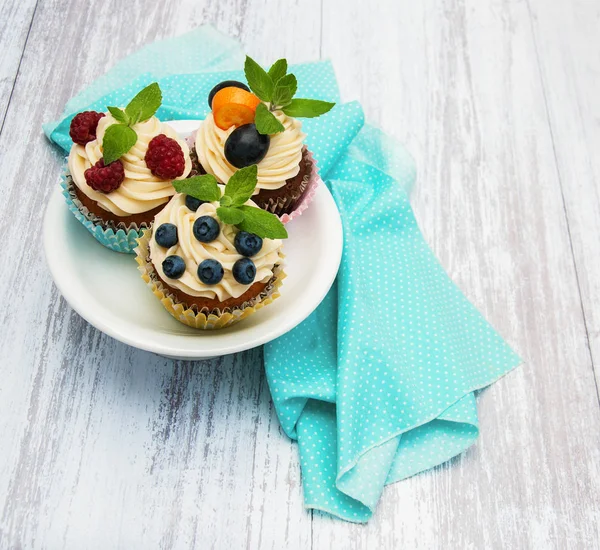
(258, 124)
(121, 169)
(212, 256)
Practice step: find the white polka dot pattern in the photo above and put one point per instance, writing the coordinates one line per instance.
(377, 384)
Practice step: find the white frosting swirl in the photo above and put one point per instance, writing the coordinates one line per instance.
(281, 163)
(141, 190)
(221, 249)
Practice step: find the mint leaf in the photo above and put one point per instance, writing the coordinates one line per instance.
(262, 223)
(284, 90)
(241, 185)
(230, 215)
(307, 108)
(265, 121)
(117, 141)
(278, 70)
(119, 115)
(203, 188)
(145, 104)
(258, 79)
(226, 200)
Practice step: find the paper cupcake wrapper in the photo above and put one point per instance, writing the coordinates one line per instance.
(121, 238)
(314, 180)
(277, 206)
(201, 320)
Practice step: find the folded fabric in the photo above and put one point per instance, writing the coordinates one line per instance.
(378, 383)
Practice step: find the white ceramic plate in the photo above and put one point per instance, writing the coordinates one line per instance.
(106, 289)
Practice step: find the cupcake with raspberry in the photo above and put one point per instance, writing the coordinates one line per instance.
(212, 256)
(258, 125)
(121, 169)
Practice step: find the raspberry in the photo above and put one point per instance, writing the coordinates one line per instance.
(165, 158)
(83, 127)
(105, 179)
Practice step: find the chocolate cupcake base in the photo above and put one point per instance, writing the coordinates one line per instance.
(198, 312)
(280, 201)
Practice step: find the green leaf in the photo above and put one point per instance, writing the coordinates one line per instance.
(262, 223)
(278, 70)
(203, 188)
(241, 185)
(226, 200)
(258, 79)
(119, 115)
(230, 215)
(266, 122)
(145, 104)
(284, 90)
(307, 108)
(117, 141)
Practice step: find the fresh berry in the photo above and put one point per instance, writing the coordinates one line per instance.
(83, 127)
(225, 84)
(166, 235)
(165, 157)
(105, 179)
(234, 107)
(246, 146)
(173, 266)
(193, 203)
(210, 272)
(247, 244)
(206, 229)
(244, 271)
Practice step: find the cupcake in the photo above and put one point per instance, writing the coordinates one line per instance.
(259, 125)
(212, 256)
(121, 169)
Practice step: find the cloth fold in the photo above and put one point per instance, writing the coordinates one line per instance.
(378, 383)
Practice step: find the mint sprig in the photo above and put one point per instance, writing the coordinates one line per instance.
(278, 88)
(278, 70)
(117, 141)
(232, 209)
(204, 188)
(119, 138)
(266, 122)
(307, 108)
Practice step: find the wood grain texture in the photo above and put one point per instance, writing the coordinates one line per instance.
(566, 37)
(104, 446)
(15, 21)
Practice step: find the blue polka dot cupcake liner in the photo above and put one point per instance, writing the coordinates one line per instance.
(119, 238)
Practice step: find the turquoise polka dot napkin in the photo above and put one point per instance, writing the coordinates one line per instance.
(379, 382)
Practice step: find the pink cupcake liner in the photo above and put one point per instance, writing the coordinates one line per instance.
(313, 184)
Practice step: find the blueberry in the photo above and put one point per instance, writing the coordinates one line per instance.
(225, 84)
(166, 235)
(247, 244)
(193, 203)
(173, 266)
(206, 229)
(210, 272)
(244, 271)
(246, 146)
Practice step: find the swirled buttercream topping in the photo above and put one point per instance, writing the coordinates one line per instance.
(281, 163)
(141, 190)
(221, 249)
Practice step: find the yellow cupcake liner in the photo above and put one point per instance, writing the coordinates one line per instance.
(215, 319)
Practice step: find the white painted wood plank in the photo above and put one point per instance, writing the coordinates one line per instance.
(101, 445)
(15, 18)
(566, 36)
(458, 82)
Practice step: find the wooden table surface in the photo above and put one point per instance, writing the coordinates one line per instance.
(103, 446)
